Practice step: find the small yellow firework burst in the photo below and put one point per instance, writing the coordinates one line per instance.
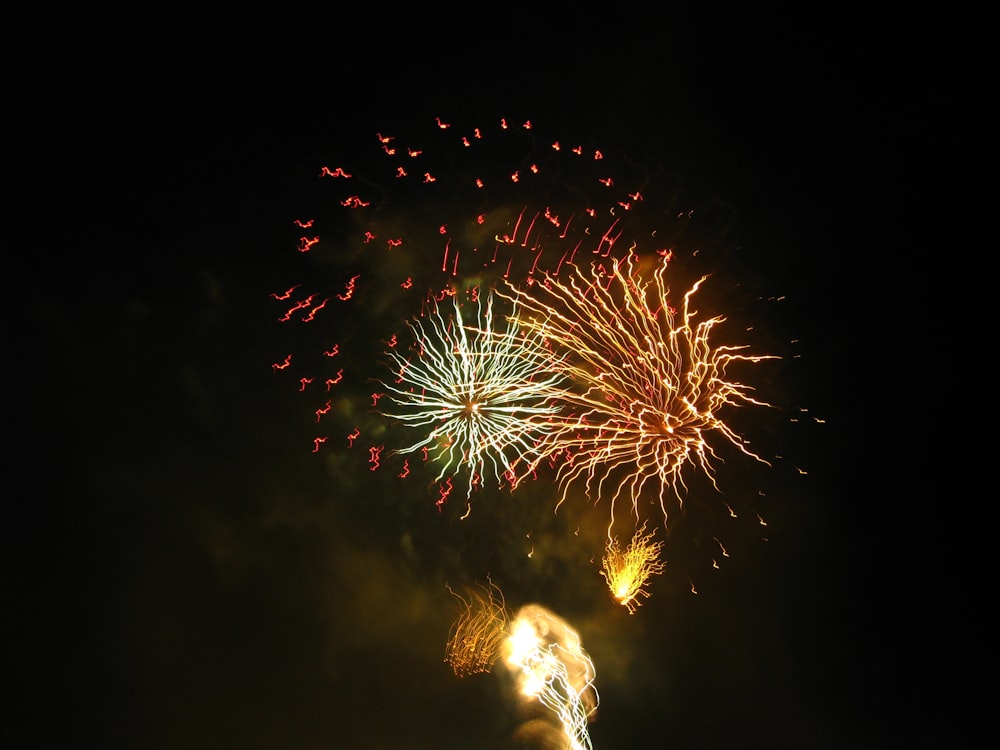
(627, 571)
(478, 634)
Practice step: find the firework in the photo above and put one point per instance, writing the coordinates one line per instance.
(650, 389)
(477, 636)
(627, 571)
(451, 205)
(550, 665)
(481, 398)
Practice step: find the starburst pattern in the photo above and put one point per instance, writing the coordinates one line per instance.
(482, 398)
(650, 388)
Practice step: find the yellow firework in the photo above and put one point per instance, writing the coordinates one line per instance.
(650, 388)
(628, 570)
(478, 634)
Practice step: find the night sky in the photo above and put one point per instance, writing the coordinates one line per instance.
(182, 571)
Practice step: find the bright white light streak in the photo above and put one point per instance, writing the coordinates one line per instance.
(483, 398)
(551, 666)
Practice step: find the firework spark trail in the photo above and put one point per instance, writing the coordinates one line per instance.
(478, 634)
(651, 387)
(627, 571)
(548, 660)
(486, 396)
(441, 209)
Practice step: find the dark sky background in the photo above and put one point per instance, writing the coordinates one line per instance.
(182, 572)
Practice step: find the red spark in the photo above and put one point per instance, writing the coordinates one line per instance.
(286, 294)
(306, 243)
(444, 489)
(354, 202)
(335, 380)
(349, 289)
(323, 410)
(336, 172)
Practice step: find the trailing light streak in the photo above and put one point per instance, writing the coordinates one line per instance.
(628, 570)
(550, 665)
(650, 388)
(478, 634)
(482, 398)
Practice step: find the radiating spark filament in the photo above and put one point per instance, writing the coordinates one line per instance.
(627, 571)
(478, 634)
(649, 388)
(484, 398)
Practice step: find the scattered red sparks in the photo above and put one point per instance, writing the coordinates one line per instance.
(532, 237)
